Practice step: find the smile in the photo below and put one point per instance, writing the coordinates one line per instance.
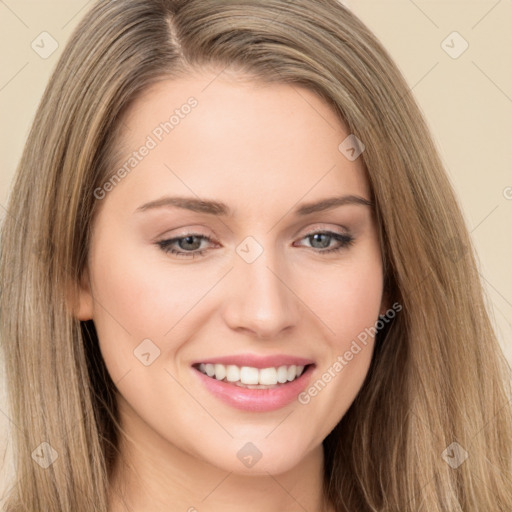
(250, 377)
(258, 388)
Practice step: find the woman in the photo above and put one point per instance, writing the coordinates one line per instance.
(235, 275)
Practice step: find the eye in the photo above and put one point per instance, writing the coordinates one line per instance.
(190, 242)
(189, 246)
(322, 240)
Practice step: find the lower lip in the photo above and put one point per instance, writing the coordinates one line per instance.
(256, 400)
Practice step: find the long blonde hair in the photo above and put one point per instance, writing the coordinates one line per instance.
(437, 376)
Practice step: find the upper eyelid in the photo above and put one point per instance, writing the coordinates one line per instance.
(193, 232)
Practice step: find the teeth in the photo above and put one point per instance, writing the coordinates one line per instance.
(249, 375)
(220, 371)
(252, 376)
(232, 373)
(268, 376)
(210, 370)
(282, 374)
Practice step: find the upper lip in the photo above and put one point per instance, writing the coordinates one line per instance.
(256, 361)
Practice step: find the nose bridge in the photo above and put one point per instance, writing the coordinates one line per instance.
(260, 301)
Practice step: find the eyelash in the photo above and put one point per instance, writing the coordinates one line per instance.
(345, 240)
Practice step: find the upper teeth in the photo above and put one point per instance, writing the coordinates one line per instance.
(250, 375)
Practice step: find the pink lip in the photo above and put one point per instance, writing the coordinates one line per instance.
(256, 400)
(257, 361)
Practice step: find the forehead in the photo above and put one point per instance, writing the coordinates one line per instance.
(212, 135)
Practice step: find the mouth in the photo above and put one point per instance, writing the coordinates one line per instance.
(250, 377)
(255, 384)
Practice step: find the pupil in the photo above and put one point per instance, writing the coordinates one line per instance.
(189, 240)
(316, 238)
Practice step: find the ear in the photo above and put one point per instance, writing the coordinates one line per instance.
(82, 305)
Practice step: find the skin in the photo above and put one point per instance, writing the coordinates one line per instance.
(263, 150)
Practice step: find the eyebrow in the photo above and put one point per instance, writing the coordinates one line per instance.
(221, 209)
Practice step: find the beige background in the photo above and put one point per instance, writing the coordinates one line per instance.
(467, 102)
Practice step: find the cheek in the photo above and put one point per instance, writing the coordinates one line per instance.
(348, 303)
(346, 298)
(139, 297)
(131, 304)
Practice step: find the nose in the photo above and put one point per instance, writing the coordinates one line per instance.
(260, 299)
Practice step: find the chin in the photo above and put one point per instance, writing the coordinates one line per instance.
(261, 457)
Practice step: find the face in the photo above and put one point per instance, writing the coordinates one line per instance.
(227, 294)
